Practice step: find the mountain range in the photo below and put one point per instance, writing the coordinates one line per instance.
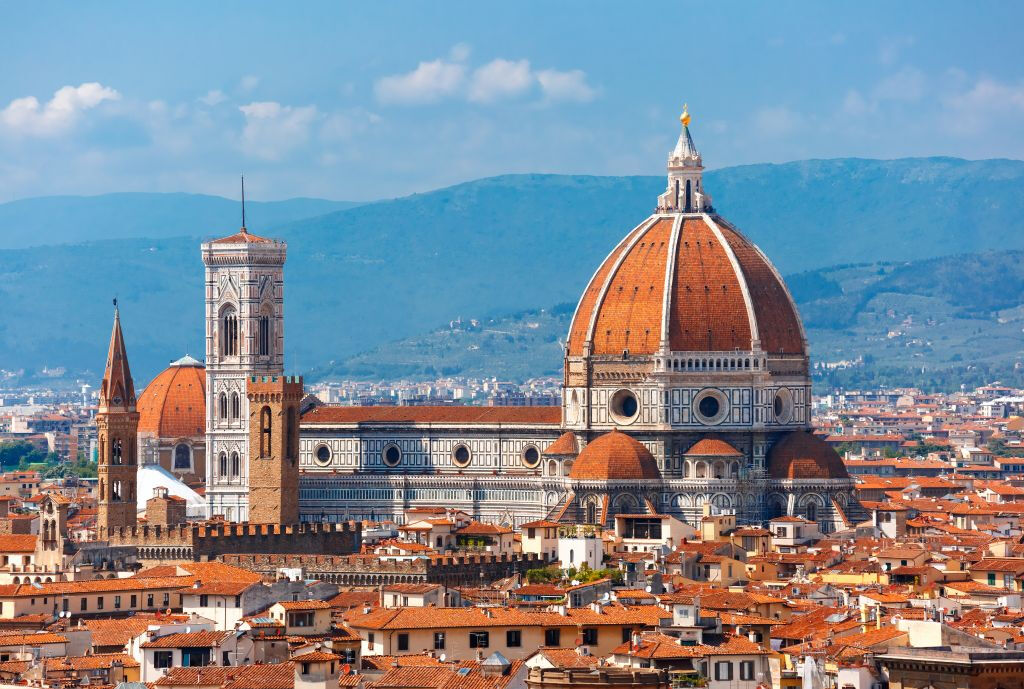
(387, 271)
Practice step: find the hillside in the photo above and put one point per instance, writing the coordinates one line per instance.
(73, 219)
(390, 270)
(936, 323)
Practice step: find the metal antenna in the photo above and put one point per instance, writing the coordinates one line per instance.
(243, 202)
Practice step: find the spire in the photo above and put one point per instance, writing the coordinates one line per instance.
(243, 203)
(685, 149)
(118, 390)
(685, 191)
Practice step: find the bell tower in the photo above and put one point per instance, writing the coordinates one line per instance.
(117, 425)
(274, 449)
(244, 337)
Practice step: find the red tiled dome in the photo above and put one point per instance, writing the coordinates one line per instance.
(614, 456)
(800, 454)
(707, 447)
(722, 294)
(173, 405)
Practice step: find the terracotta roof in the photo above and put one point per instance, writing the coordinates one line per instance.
(431, 618)
(304, 604)
(57, 588)
(188, 640)
(565, 445)
(243, 236)
(440, 415)
(173, 405)
(713, 447)
(17, 543)
(614, 456)
(708, 309)
(803, 455)
(36, 639)
(108, 632)
(278, 676)
(91, 662)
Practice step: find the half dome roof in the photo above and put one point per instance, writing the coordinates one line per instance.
(692, 283)
(803, 455)
(173, 405)
(614, 456)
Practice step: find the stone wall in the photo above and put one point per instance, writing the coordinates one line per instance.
(369, 570)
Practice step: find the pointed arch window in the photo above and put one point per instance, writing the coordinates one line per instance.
(115, 493)
(236, 468)
(116, 451)
(223, 405)
(236, 405)
(229, 332)
(263, 334)
(591, 513)
(291, 435)
(265, 432)
(223, 464)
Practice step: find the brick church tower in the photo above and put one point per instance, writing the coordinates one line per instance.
(117, 425)
(274, 448)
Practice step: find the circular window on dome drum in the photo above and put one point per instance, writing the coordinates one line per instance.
(461, 455)
(783, 406)
(391, 455)
(624, 407)
(322, 455)
(711, 406)
(531, 457)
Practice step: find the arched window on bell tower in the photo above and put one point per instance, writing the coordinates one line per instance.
(229, 331)
(117, 451)
(223, 406)
(265, 331)
(265, 432)
(236, 405)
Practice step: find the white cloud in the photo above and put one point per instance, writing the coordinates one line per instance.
(975, 109)
(214, 97)
(428, 83)
(908, 84)
(777, 120)
(499, 79)
(272, 130)
(566, 86)
(28, 116)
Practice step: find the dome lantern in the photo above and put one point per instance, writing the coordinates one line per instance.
(685, 191)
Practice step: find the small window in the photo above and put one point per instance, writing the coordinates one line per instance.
(438, 641)
(747, 670)
(531, 457)
(369, 639)
(513, 638)
(117, 602)
(182, 457)
(552, 637)
(391, 455)
(461, 455)
(723, 671)
(479, 639)
(323, 455)
(204, 600)
(590, 636)
(162, 659)
(403, 642)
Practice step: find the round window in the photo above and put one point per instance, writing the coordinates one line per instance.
(711, 407)
(783, 406)
(625, 406)
(391, 455)
(323, 455)
(531, 457)
(461, 455)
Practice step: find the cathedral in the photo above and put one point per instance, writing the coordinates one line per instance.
(686, 384)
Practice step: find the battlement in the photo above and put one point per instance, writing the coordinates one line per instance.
(371, 570)
(275, 384)
(208, 541)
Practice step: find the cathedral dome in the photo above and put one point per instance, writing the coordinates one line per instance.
(173, 405)
(685, 283)
(685, 280)
(803, 455)
(614, 456)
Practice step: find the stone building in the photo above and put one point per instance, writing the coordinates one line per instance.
(686, 383)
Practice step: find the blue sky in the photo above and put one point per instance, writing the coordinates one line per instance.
(370, 100)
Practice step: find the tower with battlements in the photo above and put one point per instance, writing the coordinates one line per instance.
(274, 449)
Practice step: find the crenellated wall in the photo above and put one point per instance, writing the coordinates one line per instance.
(366, 570)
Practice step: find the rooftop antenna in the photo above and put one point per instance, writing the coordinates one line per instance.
(243, 202)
